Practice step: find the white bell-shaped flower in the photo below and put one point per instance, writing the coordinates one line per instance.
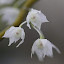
(4, 2)
(36, 18)
(14, 34)
(42, 48)
(9, 14)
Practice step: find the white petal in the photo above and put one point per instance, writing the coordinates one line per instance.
(40, 55)
(8, 33)
(37, 51)
(28, 25)
(42, 17)
(16, 39)
(32, 50)
(31, 54)
(11, 40)
(56, 48)
(22, 37)
(22, 33)
(48, 47)
(20, 43)
(47, 50)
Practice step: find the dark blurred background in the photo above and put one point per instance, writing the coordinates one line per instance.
(53, 31)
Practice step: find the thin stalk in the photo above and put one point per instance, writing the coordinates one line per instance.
(22, 24)
(39, 31)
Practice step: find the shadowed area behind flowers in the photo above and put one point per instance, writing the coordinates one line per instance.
(53, 31)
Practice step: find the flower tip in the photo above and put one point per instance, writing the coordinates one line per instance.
(17, 46)
(28, 26)
(41, 60)
(3, 36)
(57, 49)
(47, 21)
(59, 52)
(31, 55)
(9, 44)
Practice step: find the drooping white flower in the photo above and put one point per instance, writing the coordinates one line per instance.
(42, 48)
(4, 2)
(36, 18)
(9, 14)
(14, 34)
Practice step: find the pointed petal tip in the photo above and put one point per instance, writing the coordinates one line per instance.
(9, 44)
(47, 21)
(57, 49)
(17, 46)
(40, 59)
(3, 36)
(31, 55)
(28, 25)
(20, 43)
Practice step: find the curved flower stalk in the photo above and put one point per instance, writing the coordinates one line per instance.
(5, 2)
(39, 31)
(9, 14)
(14, 34)
(42, 48)
(36, 18)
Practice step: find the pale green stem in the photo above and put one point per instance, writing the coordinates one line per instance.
(22, 24)
(39, 32)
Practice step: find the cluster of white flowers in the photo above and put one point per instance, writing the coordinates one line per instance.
(41, 47)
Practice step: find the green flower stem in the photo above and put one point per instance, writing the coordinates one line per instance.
(39, 31)
(22, 24)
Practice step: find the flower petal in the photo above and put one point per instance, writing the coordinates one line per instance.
(11, 40)
(8, 33)
(28, 25)
(22, 33)
(22, 37)
(56, 48)
(20, 43)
